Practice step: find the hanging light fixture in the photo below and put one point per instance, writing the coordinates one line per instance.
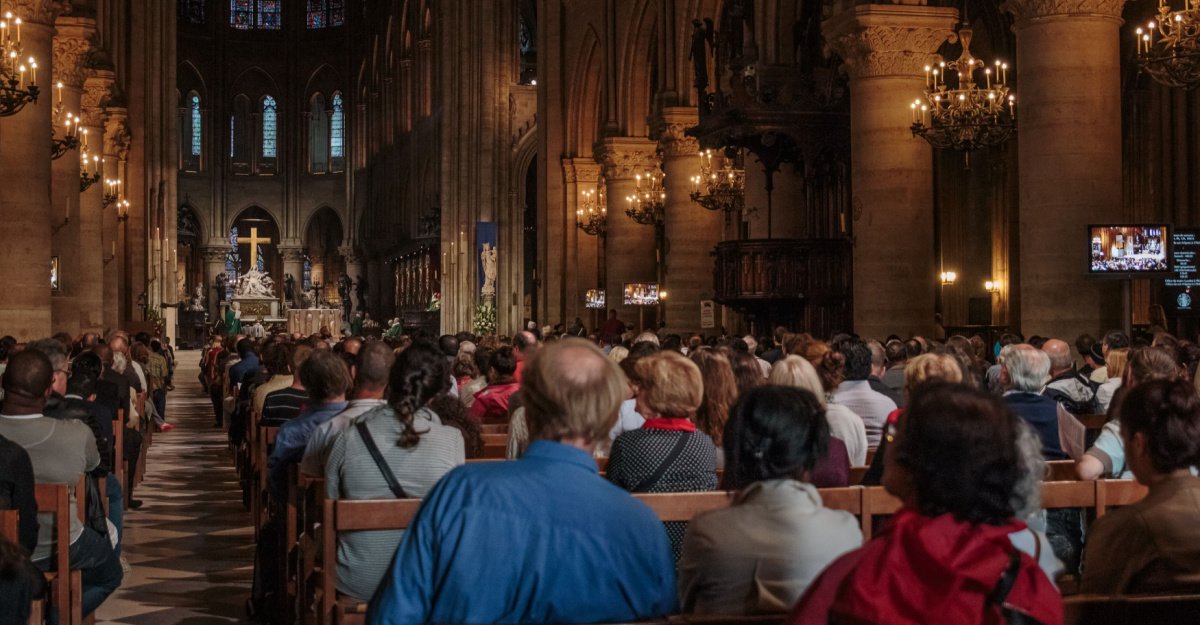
(592, 216)
(722, 189)
(648, 200)
(965, 116)
(18, 73)
(1168, 48)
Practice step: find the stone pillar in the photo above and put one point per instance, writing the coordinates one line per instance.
(1069, 155)
(354, 269)
(25, 202)
(584, 266)
(71, 47)
(629, 247)
(885, 49)
(691, 231)
(94, 246)
(214, 265)
(375, 286)
(116, 153)
(293, 265)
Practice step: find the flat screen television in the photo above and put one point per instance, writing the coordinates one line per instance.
(641, 294)
(1122, 250)
(594, 299)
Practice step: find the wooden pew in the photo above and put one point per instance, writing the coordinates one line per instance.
(10, 530)
(857, 474)
(1110, 493)
(1130, 610)
(1061, 471)
(343, 515)
(66, 586)
(494, 428)
(259, 493)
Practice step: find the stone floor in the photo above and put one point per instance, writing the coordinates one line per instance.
(190, 546)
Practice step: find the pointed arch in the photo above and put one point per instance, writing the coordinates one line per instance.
(585, 114)
(634, 80)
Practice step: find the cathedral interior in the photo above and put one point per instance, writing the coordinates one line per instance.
(703, 164)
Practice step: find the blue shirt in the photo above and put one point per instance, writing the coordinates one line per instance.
(291, 441)
(248, 366)
(543, 539)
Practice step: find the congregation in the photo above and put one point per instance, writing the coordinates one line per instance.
(960, 435)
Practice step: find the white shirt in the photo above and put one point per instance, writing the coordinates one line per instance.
(871, 405)
(628, 419)
(848, 427)
(1105, 393)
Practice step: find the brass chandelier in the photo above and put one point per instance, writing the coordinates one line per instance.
(1168, 48)
(18, 73)
(722, 189)
(592, 216)
(649, 199)
(967, 116)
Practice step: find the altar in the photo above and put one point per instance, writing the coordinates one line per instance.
(309, 321)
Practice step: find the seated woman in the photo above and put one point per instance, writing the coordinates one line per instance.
(844, 425)
(415, 451)
(667, 454)
(720, 391)
(958, 464)
(1153, 546)
(759, 555)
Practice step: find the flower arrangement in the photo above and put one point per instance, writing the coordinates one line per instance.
(435, 303)
(485, 319)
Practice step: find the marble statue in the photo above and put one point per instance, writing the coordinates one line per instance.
(488, 258)
(196, 304)
(255, 283)
(289, 290)
(344, 283)
(222, 286)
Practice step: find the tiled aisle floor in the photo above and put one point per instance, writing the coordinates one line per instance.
(190, 546)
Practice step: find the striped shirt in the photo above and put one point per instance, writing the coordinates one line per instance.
(351, 473)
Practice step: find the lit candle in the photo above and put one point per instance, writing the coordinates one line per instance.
(987, 73)
(18, 23)
(927, 75)
(33, 71)
(114, 249)
(59, 86)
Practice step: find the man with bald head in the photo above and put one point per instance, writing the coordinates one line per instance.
(1066, 386)
(512, 522)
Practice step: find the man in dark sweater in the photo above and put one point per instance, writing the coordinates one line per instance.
(16, 490)
(1024, 372)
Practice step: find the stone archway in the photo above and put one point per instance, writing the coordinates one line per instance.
(324, 262)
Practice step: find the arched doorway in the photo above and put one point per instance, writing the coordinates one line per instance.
(189, 266)
(323, 263)
(254, 238)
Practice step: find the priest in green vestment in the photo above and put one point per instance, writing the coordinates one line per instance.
(233, 319)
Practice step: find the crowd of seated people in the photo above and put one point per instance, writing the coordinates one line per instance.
(63, 401)
(957, 430)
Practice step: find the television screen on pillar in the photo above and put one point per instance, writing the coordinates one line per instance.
(1129, 250)
(641, 294)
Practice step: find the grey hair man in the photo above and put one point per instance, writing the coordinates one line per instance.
(1024, 371)
(1066, 385)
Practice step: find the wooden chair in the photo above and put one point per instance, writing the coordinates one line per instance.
(66, 586)
(10, 530)
(1130, 610)
(684, 506)
(1092, 421)
(258, 494)
(119, 467)
(876, 501)
(857, 474)
(343, 515)
(308, 546)
(1061, 471)
(494, 428)
(1110, 493)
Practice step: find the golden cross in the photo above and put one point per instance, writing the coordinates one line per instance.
(253, 240)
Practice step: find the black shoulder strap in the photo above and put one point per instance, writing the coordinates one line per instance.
(999, 595)
(653, 479)
(394, 485)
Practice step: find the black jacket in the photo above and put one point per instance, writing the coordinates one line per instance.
(17, 490)
(96, 417)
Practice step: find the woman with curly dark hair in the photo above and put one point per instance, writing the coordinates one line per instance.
(759, 554)
(720, 391)
(956, 551)
(1153, 546)
(453, 413)
(393, 452)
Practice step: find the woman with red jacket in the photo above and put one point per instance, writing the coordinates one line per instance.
(956, 461)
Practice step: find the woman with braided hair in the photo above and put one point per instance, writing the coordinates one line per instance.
(758, 555)
(397, 451)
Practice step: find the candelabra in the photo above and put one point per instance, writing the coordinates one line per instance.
(88, 177)
(112, 192)
(648, 200)
(1168, 48)
(966, 117)
(721, 189)
(18, 73)
(592, 216)
(123, 211)
(70, 126)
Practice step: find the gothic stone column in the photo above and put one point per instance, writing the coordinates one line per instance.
(691, 231)
(584, 266)
(117, 140)
(1069, 157)
(71, 47)
(214, 264)
(25, 202)
(885, 49)
(629, 254)
(375, 282)
(293, 265)
(94, 247)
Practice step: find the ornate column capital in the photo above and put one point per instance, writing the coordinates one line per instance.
(625, 157)
(214, 254)
(43, 12)
(1025, 11)
(671, 129)
(291, 254)
(351, 256)
(97, 89)
(889, 40)
(117, 136)
(72, 47)
(581, 170)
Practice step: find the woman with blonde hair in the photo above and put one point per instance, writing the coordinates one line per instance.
(1115, 364)
(844, 425)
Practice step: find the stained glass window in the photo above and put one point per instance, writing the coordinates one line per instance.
(197, 136)
(268, 127)
(241, 14)
(337, 129)
(269, 15)
(325, 13)
(191, 11)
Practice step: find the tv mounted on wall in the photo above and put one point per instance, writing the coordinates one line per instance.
(1129, 250)
(641, 294)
